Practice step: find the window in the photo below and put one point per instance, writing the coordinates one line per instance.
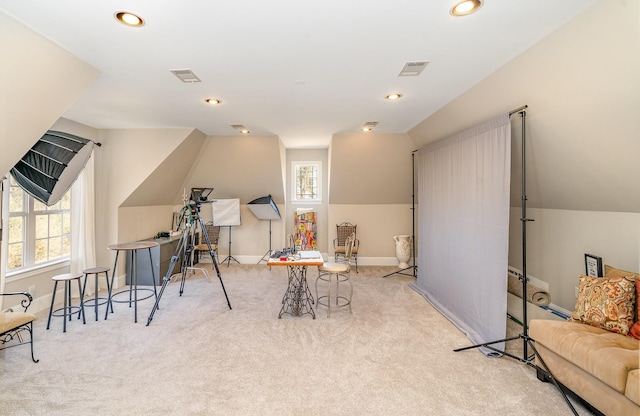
(38, 234)
(306, 182)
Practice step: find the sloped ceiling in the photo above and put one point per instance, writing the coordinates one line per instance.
(165, 182)
(39, 81)
(299, 70)
(583, 91)
(245, 167)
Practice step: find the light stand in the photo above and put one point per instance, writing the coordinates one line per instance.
(230, 257)
(264, 208)
(226, 213)
(190, 216)
(413, 268)
(527, 341)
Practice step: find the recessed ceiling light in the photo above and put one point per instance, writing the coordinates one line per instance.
(466, 7)
(241, 128)
(212, 101)
(129, 19)
(393, 96)
(368, 126)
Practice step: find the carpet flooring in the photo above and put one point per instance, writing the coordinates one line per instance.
(392, 356)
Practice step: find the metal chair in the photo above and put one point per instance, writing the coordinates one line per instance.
(13, 324)
(341, 273)
(343, 231)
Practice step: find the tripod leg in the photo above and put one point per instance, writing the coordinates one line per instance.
(165, 280)
(213, 256)
(215, 264)
(550, 376)
(167, 277)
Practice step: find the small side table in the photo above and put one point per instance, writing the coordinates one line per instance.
(131, 249)
(297, 299)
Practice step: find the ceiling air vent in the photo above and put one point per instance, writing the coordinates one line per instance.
(412, 69)
(185, 75)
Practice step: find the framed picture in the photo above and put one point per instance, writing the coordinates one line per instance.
(593, 265)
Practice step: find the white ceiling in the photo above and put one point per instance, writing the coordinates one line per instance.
(301, 70)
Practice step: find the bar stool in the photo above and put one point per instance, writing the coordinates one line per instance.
(341, 273)
(96, 301)
(67, 308)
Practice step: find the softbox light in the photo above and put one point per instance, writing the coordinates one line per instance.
(52, 165)
(264, 208)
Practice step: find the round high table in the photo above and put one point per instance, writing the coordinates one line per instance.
(131, 250)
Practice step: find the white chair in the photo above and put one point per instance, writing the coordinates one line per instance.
(328, 270)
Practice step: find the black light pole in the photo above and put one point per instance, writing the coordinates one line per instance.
(413, 267)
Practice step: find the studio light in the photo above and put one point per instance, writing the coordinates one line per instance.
(265, 208)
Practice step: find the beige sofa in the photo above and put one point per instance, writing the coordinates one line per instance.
(600, 366)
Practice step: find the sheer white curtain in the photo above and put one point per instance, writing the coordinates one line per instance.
(83, 249)
(463, 218)
(4, 217)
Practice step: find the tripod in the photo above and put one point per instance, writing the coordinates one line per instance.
(527, 342)
(191, 216)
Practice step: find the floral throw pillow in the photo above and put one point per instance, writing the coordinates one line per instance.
(635, 329)
(606, 302)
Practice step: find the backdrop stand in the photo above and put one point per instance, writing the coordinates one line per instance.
(527, 341)
(265, 208)
(413, 268)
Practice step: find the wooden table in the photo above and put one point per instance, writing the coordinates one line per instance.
(131, 248)
(297, 300)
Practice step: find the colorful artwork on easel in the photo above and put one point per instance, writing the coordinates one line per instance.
(305, 226)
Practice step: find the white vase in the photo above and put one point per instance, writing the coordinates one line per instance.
(403, 250)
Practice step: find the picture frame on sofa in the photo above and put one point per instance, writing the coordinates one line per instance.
(593, 265)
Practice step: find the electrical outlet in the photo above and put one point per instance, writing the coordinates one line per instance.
(32, 290)
(575, 289)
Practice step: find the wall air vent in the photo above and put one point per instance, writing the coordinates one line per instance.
(412, 69)
(185, 75)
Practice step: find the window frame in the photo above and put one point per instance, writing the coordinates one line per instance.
(294, 183)
(29, 239)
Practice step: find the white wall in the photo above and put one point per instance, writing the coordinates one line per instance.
(583, 91)
(557, 241)
(377, 225)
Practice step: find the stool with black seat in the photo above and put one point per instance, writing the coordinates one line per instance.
(67, 309)
(96, 301)
(341, 273)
